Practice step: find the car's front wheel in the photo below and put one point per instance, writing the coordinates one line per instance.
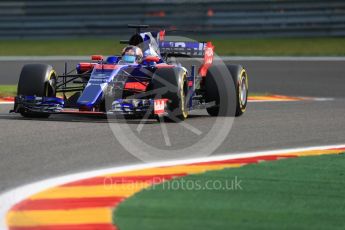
(172, 84)
(36, 80)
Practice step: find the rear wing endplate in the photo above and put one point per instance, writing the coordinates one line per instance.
(182, 49)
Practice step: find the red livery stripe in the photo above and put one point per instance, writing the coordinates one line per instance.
(73, 111)
(106, 66)
(136, 86)
(159, 66)
(86, 66)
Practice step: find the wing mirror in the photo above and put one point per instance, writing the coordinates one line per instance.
(97, 58)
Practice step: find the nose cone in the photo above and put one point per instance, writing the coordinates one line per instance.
(90, 96)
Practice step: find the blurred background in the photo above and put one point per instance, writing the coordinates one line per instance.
(237, 27)
(219, 18)
(39, 31)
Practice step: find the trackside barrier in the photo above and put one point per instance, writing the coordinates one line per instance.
(231, 18)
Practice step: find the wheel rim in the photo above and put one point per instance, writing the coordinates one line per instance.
(49, 87)
(243, 91)
(184, 91)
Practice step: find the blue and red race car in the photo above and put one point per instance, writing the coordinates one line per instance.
(155, 86)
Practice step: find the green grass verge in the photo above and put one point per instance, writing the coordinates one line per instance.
(8, 90)
(301, 193)
(263, 47)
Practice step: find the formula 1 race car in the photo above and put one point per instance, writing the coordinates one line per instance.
(155, 86)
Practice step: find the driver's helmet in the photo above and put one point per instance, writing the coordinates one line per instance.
(132, 54)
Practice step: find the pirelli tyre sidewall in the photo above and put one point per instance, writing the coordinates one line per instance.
(172, 84)
(37, 80)
(240, 78)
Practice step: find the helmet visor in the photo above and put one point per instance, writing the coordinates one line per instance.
(128, 58)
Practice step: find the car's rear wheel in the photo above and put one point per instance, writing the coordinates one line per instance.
(240, 79)
(172, 84)
(226, 90)
(37, 80)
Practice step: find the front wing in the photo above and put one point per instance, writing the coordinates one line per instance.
(54, 105)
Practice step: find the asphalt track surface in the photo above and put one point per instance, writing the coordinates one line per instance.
(32, 150)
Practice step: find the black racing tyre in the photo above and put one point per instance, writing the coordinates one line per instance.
(172, 84)
(37, 80)
(221, 87)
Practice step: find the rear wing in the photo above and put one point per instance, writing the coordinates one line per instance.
(203, 50)
(182, 49)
